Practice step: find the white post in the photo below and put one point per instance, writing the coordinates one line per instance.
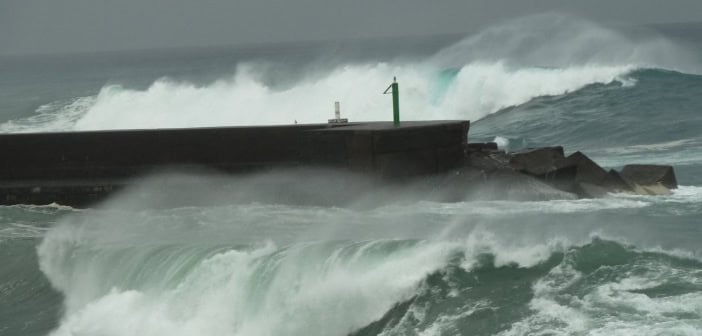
(337, 115)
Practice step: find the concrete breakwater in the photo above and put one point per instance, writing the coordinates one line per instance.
(81, 168)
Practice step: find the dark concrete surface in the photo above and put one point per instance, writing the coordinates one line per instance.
(79, 168)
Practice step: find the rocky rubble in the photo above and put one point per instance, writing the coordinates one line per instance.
(575, 174)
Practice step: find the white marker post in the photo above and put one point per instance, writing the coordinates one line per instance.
(337, 115)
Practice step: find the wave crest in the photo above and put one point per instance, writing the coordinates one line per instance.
(505, 65)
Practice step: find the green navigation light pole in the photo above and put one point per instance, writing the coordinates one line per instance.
(395, 101)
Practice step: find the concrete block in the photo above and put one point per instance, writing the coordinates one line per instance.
(650, 175)
(482, 146)
(538, 162)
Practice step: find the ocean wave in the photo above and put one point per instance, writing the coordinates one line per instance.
(556, 40)
(53, 117)
(582, 289)
(154, 276)
(478, 89)
(222, 270)
(505, 65)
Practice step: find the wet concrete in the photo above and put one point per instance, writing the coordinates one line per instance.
(79, 168)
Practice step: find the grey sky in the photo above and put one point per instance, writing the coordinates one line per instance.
(47, 26)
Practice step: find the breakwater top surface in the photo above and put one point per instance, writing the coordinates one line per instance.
(79, 168)
(291, 253)
(82, 168)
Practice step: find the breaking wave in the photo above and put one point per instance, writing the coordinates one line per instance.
(505, 65)
(385, 263)
(330, 271)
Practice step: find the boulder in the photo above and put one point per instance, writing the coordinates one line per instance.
(562, 177)
(538, 162)
(589, 172)
(487, 161)
(650, 176)
(576, 173)
(481, 146)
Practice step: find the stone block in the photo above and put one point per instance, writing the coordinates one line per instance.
(587, 170)
(482, 146)
(538, 162)
(650, 175)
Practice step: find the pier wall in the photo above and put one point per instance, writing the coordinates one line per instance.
(76, 168)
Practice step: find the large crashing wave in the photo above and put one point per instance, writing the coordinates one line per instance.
(480, 267)
(505, 65)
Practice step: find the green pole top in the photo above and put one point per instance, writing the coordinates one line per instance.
(395, 90)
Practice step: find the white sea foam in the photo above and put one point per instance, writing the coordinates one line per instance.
(516, 208)
(615, 306)
(20, 230)
(686, 194)
(303, 289)
(502, 142)
(53, 117)
(505, 65)
(212, 271)
(139, 277)
(479, 89)
(191, 271)
(682, 195)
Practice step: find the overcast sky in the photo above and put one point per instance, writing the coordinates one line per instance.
(48, 26)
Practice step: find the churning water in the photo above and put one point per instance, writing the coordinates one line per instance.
(274, 261)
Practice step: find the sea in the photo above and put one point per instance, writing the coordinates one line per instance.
(289, 259)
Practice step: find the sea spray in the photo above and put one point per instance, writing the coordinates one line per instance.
(562, 41)
(313, 288)
(622, 265)
(505, 65)
(269, 269)
(478, 89)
